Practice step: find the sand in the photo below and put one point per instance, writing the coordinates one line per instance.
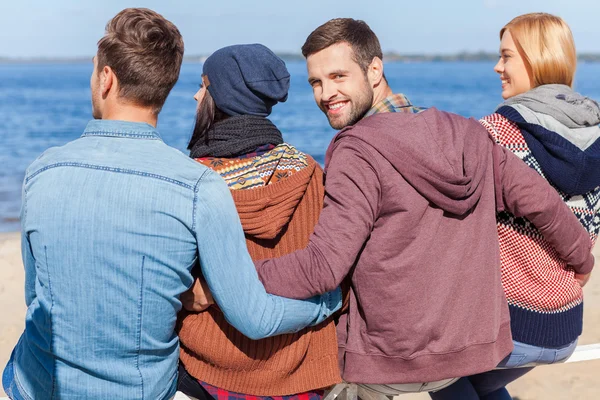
(567, 381)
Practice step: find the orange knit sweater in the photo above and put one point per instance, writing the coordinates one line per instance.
(277, 220)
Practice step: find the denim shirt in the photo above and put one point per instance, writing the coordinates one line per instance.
(112, 224)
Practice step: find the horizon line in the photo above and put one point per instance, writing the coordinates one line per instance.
(391, 56)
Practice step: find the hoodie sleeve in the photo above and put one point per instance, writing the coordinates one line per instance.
(352, 197)
(526, 194)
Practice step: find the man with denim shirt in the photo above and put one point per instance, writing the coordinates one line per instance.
(112, 224)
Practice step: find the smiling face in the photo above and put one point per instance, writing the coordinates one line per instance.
(512, 69)
(341, 88)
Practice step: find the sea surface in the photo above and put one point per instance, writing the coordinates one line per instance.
(46, 105)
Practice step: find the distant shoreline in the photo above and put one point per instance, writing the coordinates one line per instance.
(388, 57)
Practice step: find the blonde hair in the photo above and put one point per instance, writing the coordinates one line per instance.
(546, 44)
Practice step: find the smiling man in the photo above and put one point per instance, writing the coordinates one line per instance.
(410, 206)
(347, 79)
(112, 225)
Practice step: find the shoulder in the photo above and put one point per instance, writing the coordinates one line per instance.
(174, 163)
(494, 118)
(52, 156)
(348, 147)
(501, 129)
(386, 119)
(351, 158)
(431, 119)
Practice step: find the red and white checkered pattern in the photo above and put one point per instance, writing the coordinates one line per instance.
(533, 275)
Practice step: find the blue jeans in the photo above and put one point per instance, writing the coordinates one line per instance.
(524, 354)
(491, 385)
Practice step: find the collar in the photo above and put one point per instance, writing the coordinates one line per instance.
(125, 129)
(394, 103)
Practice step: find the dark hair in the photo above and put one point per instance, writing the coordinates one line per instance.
(356, 33)
(207, 115)
(145, 52)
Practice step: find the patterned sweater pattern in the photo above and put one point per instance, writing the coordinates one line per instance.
(545, 300)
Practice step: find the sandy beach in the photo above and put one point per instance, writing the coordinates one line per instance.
(568, 381)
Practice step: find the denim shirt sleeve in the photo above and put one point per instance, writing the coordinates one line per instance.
(232, 277)
(27, 255)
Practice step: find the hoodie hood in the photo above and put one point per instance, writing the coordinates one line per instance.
(561, 128)
(560, 101)
(266, 211)
(445, 157)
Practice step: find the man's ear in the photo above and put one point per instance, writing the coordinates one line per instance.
(375, 72)
(108, 81)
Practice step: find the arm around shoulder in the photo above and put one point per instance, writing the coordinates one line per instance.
(352, 199)
(231, 276)
(526, 194)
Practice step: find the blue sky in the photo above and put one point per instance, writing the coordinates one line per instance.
(70, 28)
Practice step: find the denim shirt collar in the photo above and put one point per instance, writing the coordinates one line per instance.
(125, 129)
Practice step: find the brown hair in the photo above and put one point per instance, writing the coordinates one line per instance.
(207, 115)
(145, 52)
(546, 44)
(356, 33)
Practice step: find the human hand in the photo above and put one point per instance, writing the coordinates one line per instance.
(582, 279)
(197, 298)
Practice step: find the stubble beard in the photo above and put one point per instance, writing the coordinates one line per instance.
(359, 106)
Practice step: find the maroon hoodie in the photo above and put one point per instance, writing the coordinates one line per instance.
(410, 212)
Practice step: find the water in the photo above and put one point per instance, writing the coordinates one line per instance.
(48, 105)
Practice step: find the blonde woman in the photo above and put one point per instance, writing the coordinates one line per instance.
(555, 131)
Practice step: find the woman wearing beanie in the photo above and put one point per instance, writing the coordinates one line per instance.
(555, 131)
(278, 192)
